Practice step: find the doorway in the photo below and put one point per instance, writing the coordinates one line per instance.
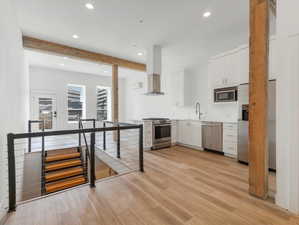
(43, 107)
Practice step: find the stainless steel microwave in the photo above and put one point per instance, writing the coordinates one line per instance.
(229, 94)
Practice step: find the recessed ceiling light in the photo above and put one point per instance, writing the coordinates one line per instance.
(140, 53)
(89, 6)
(65, 57)
(105, 71)
(75, 36)
(61, 64)
(207, 14)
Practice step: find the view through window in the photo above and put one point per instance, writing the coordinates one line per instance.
(103, 103)
(76, 102)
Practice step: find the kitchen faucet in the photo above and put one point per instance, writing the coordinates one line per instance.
(197, 110)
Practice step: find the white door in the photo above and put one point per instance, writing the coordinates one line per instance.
(43, 107)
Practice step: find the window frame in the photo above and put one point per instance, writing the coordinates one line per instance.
(109, 104)
(82, 97)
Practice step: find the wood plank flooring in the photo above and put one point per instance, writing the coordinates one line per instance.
(179, 187)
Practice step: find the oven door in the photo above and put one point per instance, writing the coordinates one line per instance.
(226, 95)
(161, 133)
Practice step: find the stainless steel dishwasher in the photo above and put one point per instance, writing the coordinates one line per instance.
(212, 136)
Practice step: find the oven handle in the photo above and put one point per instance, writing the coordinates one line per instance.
(161, 125)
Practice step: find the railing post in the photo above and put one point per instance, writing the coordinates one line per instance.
(118, 142)
(94, 123)
(141, 166)
(92, 160)
(11, 172)
(43, 137)
(29, 139)
(79, 134)
(104, 136)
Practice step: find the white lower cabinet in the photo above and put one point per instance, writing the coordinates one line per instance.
(189, 133)
(147, 134)
(174, 133)
(230, 139)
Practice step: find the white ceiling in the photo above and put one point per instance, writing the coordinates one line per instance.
(70, 64)
(113, 26)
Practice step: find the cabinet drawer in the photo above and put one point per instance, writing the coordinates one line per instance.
(230, 148)
(230, 137)
(230, 127)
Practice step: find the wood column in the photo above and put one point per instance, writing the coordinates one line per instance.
(115, 105)
(258, 98)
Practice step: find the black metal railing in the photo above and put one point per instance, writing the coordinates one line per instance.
(43, 153)
(11, 137)
(87, 152)
(117, 125)
(30, 122)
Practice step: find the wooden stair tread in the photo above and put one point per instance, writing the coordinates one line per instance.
(63, 174)
(65, 184)
(62, 157)
(62, 151)
(63, 165)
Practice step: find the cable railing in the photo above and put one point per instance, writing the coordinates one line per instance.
(30, 122)
(11, 137)
(87, 152)
(43, 153)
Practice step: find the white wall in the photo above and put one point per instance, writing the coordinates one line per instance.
(13, 94)
(288, 105)
(55, 81)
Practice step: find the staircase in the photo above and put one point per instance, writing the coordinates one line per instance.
(62, 169)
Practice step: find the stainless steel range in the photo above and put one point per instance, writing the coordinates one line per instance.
(161, 132)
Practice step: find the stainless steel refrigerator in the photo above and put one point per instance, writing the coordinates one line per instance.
(243, 96)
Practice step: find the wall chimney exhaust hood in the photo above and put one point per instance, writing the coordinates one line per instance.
(154, 68)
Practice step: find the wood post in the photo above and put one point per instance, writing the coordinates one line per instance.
(115, 105)
(258, 98)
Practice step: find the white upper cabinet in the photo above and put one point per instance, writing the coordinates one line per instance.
(232, 68)
(224, 70)
(273, 59)
(178, 88)
(243, 61)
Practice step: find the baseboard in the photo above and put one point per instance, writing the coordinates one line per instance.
(230, 155)
(3, 218)
(189, 146)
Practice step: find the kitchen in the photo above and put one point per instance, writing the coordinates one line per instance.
(211, 118)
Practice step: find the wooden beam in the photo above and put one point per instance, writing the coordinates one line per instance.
(258, 98)
(115, 105)
(115, 93)
(46, 46)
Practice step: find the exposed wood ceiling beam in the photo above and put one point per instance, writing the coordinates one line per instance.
(46, 46)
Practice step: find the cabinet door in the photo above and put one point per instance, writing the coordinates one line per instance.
(273, 59)
(174, 131)
(177, 88)
(196, 137)
(216, 78)
(184, 132)
(181, 130)
(244, 65)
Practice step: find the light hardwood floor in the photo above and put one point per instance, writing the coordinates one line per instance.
(179, 187)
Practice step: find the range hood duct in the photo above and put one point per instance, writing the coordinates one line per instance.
(154, 68)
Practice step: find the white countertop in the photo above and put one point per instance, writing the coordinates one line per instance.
(192, 120)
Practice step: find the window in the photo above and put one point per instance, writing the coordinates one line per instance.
(46, 112)
(76, 102)
(103, 103)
